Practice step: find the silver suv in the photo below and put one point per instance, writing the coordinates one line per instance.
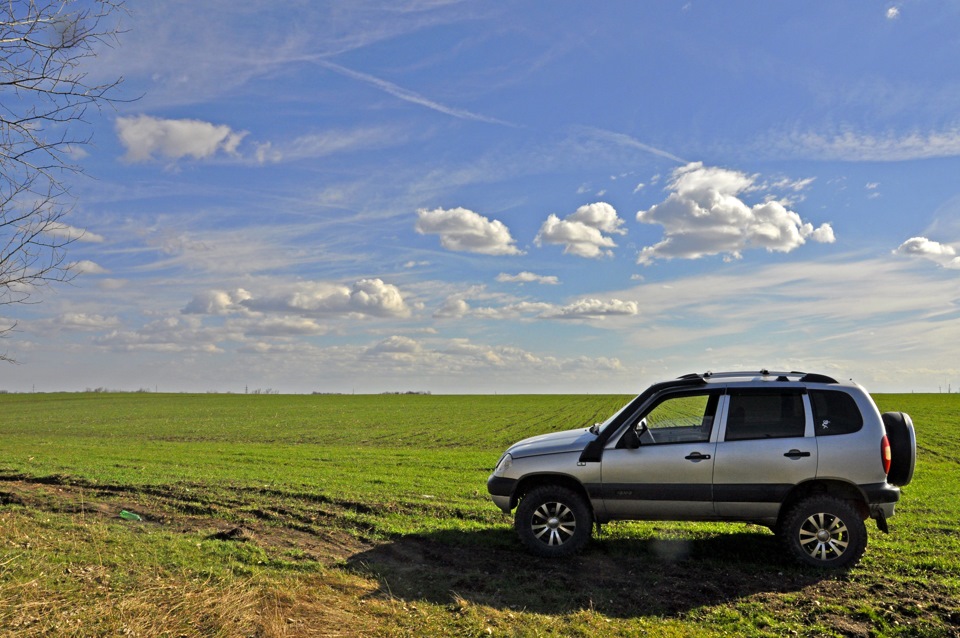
(804, 454)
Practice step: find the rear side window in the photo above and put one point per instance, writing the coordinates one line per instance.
(765, 414)
(834, 413)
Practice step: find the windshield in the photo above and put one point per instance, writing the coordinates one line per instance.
(601, 427)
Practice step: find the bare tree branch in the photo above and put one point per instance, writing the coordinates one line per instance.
(44, 99)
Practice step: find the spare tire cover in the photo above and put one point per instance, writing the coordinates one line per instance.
(903, 447)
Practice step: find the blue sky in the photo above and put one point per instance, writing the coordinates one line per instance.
(511, 197)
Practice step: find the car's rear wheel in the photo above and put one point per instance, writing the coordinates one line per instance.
(824, 531)
(553, 521)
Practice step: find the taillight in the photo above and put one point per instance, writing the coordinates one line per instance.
(885, 455)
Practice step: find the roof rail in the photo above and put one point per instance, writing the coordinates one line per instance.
(780, 376)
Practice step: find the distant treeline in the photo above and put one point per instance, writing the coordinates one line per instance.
(424, 392)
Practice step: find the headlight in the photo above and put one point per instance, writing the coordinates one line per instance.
(503, 465)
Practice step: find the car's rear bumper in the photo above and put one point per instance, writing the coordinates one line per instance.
(881, 493)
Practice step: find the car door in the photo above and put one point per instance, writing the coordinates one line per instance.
(669, 473)
(766, 447)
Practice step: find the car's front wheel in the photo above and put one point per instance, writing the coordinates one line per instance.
(553, 521)
(824, 531)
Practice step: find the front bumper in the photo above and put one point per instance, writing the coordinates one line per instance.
(501, 491)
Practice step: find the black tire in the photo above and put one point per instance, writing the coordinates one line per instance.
(903, 447)
(825, 532)
(553, 521)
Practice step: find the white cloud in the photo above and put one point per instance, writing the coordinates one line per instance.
(704, 215)
(800, 308)
(147, 137)
(278, 327)
(456, 308)
(365, 298)
(943, 254)
(85, 321)
(396, 345)
(228, 247)
(582, 232)
(795, 185)
(327, 143)
(526, 277)
(463, 355)
(87, 267)
(594, 309)
(453, 308)
(170, 334)
(893, 12)
(891, 147)
(601, 216)
(463, 230)
(217, 302)
(70, 233)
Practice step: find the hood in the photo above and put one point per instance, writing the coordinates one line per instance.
(553, 443)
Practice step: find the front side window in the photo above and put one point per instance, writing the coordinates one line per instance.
(765, 414)
(684, 418)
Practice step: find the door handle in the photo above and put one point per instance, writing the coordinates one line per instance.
(696, 456)
(796, 454)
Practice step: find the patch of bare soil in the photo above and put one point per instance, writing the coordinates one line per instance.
(327, 545)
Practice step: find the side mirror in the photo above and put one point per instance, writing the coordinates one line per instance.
(641, 427)
(631, 438)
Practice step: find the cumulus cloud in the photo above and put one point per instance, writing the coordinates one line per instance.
(87, 267)
(463, 353)
(704, 215)
(278, 327)
(582, 232)
(216, 302)
(584, 309)
(367, 297)
(147, 138)
(396, 345)
(526, 277)
(594, 309)
(452, 308)
(458, 356)
(943, 254)
(463, 230)
(170, 334)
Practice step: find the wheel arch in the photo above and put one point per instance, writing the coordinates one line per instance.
(532, 481)
(826, 487)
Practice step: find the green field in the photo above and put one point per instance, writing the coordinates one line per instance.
(337, 515)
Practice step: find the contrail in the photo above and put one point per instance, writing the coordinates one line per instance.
(410, 96)
(626, 140)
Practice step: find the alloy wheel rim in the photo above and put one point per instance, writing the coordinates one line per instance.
(553, 523)
(824, 536)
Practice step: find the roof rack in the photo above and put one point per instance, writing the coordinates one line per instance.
(803, 377)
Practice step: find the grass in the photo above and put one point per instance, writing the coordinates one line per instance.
(368, 515)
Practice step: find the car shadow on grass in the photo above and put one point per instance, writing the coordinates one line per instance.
(618, 577)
